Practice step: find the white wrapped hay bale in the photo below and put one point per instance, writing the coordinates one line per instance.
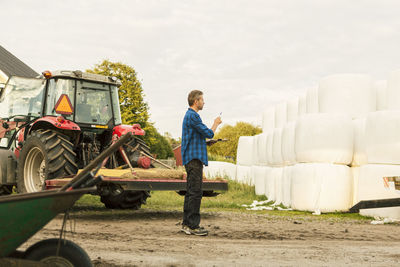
(355, 171)
(245, 151)
(268, 119)
(302, 105)
(288, 147)
(324, 138)
(292, 109)
(256, 150)
(286, 184)
(277, 159)
(280, 114)
(359, 154)
(321, 187)
(277, 173)
(244, 175)
(262, 149)
(381, 94)
(350, 94)
(393, 91)
(270, 184)
(270, 142)
(382, 133)
(260, 173)
(312, 100)
(370, 186)
(220, 169)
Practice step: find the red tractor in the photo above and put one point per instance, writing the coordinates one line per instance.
(54, 125)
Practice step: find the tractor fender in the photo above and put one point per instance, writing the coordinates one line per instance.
(52, 121)
(135, 129)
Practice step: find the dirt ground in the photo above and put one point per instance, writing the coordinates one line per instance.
(152, 238)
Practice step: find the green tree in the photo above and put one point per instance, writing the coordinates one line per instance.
(134, 109)
(232, 133)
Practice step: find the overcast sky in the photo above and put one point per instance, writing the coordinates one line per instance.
(244, 55)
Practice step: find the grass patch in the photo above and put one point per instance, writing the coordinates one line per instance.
(230, 200)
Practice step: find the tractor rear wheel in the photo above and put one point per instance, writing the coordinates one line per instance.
(46, 154)
(128, 199)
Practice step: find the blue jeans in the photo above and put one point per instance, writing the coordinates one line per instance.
(194, 193)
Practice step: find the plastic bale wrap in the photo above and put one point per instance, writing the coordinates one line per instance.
(288, 140)
(359, 154)
(219, 169)
(302, 105)
(259, 179)
(280, 114)
(382, 132)
(312, 100)
(262, 149)
(286, 184)
(270, 142)
(349, 94)
(268, 119)
(393, 90)
(278, 175)
(256, 150)
(381, 95)
(292, 109)
(270, 184)
(321, 187)
(371, 186)
(325, 138)
(244, 174)
(245, 151)
(355, 171)
(277, 159)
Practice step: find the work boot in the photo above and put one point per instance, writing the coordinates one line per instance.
(199, 231)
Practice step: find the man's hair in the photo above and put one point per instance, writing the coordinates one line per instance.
(194, 95)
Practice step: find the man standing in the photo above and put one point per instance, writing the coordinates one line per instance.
(194, 155)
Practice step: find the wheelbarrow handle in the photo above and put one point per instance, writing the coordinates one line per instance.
(98, 160)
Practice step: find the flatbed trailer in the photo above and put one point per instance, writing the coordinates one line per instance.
(390, 183)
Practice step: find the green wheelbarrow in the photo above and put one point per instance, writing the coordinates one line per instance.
(23, 215)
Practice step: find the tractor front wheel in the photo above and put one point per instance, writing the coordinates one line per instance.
(45, 154)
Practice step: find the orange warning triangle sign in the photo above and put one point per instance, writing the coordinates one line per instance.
(64, 105)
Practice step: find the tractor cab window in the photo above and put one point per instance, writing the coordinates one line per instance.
(93, 103)
(22, 96)
(56, 88)
(115, 104)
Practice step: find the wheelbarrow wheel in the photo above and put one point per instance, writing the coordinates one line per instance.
(69, 254)
(46, 154)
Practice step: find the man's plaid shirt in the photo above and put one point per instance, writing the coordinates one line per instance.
(194, 134)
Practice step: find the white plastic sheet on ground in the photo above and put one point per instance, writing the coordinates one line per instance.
(393, 90)
(286, 184)
(359, 154)
(270, 185)
(277, 159)
(270, 142)
(321, 187)
(244, 174)
(312, 100)
(326, 138)
(260, 173)
(280, 114)
(220, 169)
(245, 151)
(381, 94)
(382, 134)
(277, 174)
(268, 119)
(370, 186)
(292, 109)
(288, 140)
(350, 94)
